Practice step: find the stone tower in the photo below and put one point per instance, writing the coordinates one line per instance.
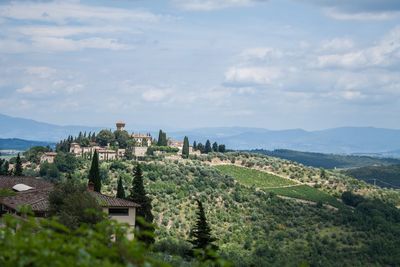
(120, 125)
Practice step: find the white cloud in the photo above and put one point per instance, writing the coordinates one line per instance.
(337, 44)
(155, 95)
(48, 44)
(27, 89)
(385, 53)
(340, 15)
(207, 5)
(252, 75)
(12, 46)
(40, 71)
(67, 31)
(261, 53)
(352, 95)
(65, 11)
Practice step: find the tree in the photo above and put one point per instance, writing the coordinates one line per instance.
(162, 139)
(122, 138)
(120, 189)
(94, 172)
(221, 148)
(34, 153)
(144, 216)
(200, 147)
(207, 148)
(66, 162)
(323, 173)
(202, 231)
(6, 168)
(185, 149)
(105, 137)
(18, 166)
(194, 145)
(49, 171)
(74, 205)
(215, 147)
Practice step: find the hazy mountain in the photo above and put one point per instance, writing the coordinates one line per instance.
(364, 140)
(11, 127)
(346, 140)
(20, 144)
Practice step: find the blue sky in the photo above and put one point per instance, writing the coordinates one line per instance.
(179, 64)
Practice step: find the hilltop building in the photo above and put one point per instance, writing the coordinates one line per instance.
(48, 157)
(142, 139)
(120, 125)
(179, 145)
(142, 142)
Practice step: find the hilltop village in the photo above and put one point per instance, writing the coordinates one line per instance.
(121, 144)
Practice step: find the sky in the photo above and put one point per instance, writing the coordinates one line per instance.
(180, 64)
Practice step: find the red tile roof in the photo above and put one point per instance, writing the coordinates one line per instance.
(106, 201)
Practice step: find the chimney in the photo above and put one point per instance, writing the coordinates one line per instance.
(90, 186)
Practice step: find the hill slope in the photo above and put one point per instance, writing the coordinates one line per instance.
(328, 161)
(11, 127)
(338, 140)
(385, 176)
(20, 144)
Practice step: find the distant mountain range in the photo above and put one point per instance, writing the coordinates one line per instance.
(345, 140)
(11, 127)
(20, 144)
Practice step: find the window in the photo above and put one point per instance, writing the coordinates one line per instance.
(118, 211)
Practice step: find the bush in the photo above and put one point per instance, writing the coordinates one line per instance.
(46, 243)
(74, 205)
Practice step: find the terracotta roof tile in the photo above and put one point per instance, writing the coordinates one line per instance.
(106, 201)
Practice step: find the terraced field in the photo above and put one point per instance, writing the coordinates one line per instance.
(306, 192)
(278, 185)
(252, 177)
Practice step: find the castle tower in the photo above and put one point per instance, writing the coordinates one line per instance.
(120, 125)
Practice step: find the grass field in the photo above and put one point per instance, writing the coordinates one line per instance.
(307, 193)
(277, 185)
(251, 177)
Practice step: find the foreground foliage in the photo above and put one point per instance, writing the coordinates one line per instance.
(43, 242)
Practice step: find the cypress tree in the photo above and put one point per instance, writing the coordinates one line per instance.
(164, 139)
(6, 167)
(94, 137)
(215, 147)
(144, 216)
(208, 148)
(94, 173)
(160, 137)
(185, 149)
(221, 148)
(194, 145)
(200, 147)
(202, 231)
(18, 166)
(120, 189)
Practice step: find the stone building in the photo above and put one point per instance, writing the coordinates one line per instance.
(48, 157)
(142, 139)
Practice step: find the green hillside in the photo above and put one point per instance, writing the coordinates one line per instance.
(328, 161)
(253, 224)
(251, 177)
(385, 176)
(277, 185)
